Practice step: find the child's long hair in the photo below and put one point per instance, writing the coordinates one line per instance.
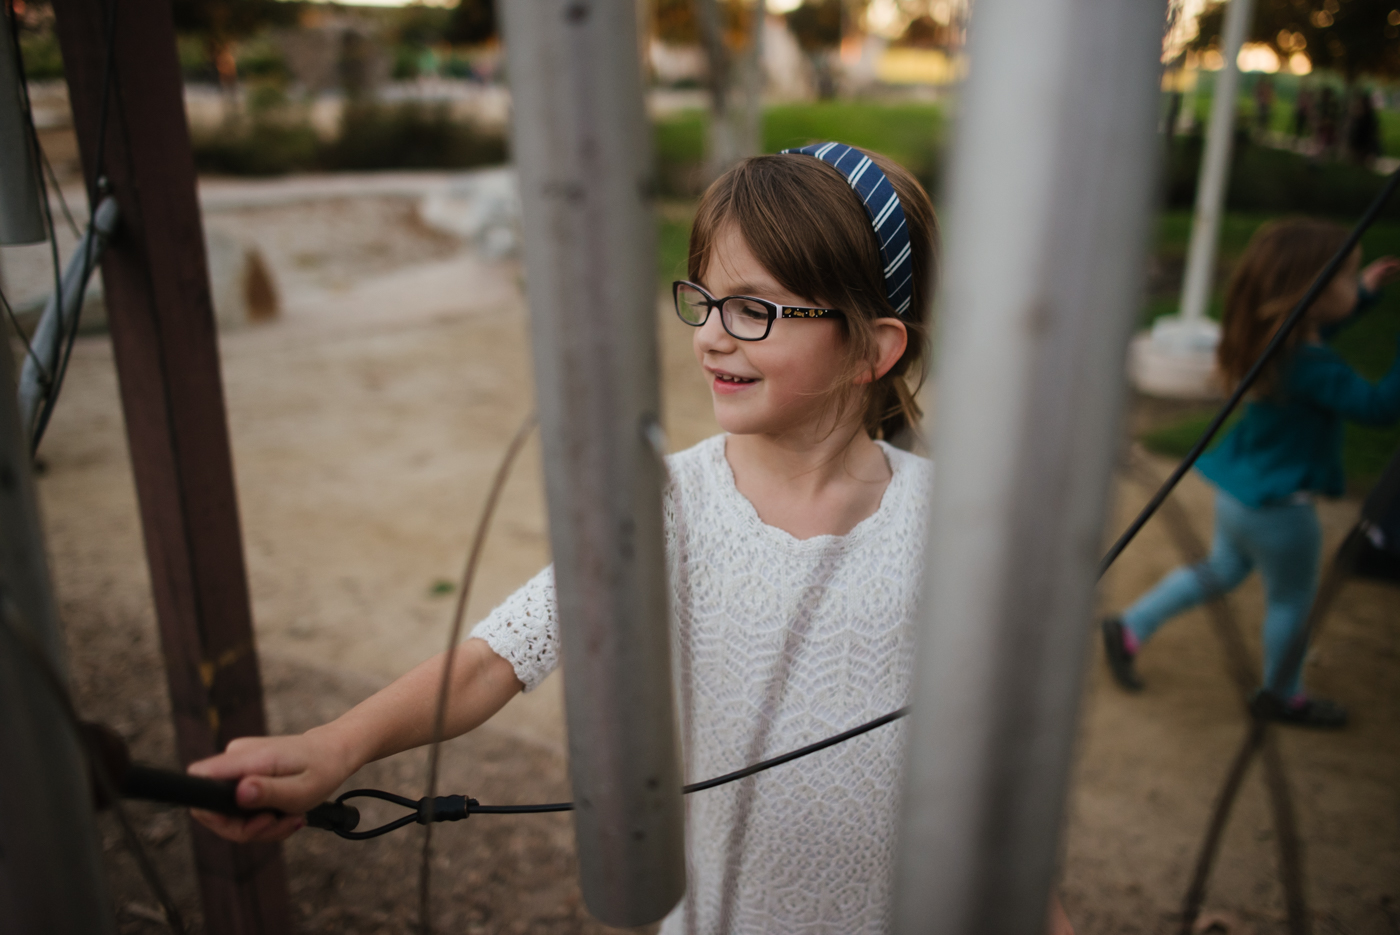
(807, 227)
(1277, 267)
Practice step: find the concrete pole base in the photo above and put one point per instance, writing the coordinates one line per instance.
(1176, 359)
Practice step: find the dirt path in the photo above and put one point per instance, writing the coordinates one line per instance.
(366, 423)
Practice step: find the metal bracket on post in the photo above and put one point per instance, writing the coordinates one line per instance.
(1049, 207)
(582, 148)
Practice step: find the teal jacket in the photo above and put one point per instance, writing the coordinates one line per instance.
(1291, 441)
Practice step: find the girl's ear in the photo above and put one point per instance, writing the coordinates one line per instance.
(891, 338)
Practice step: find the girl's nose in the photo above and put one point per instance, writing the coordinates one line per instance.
(711, 336)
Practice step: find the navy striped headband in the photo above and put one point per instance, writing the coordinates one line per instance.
(886, 216)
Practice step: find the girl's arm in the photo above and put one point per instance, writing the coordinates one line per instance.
(1320, 375)
(1368, 293)
(292, 774)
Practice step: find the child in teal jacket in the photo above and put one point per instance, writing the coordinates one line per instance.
(1285, 450)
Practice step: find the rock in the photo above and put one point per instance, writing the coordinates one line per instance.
(482, 208)
(240, 282)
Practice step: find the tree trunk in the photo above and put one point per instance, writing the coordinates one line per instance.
(736, 89)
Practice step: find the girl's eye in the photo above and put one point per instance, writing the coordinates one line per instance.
(751, 311)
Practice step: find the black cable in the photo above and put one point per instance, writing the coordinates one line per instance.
(95, 192)
(58, 190)
(28, 348)
(106, 787)
(1294, 317)
(457, 807)
(32, 134)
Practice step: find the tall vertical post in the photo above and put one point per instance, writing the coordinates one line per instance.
(1048, 216)
(164, 340)
(1215, 166)
(582, 149)
(50, 863)
(21, 220)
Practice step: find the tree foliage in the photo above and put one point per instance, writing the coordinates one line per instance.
(221, 23)
(816, 24)
(473, 22)
(1352, 37)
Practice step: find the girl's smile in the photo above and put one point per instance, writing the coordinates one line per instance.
(721, 381)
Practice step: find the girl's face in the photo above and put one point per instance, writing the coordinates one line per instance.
(1339, 298)
(777, 386)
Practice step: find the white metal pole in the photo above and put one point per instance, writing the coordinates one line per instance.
(1215, 166)
(1049, 200)
(50, 865)
(582, 148)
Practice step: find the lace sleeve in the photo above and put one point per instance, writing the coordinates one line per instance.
(524, 629)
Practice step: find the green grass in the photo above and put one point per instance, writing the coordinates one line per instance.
(673, 249)
(1369, 345)
(910, 134)
(1390, 132)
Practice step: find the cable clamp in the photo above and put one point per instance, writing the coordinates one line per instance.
(445, 808)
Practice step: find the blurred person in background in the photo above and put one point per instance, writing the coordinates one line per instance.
(1284, 452)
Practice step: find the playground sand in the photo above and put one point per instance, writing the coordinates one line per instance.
(366, 422)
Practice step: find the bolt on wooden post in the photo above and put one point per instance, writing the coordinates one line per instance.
(582, 148)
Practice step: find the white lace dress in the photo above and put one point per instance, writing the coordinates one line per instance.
(779, 642)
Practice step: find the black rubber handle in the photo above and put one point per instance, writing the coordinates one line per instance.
(218, 795)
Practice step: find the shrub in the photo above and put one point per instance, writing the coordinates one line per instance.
(410, 136)
(373, 136)
(1276, 181)
(257, 147)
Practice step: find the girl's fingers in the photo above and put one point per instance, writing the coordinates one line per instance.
(291, 794)
(265, 827)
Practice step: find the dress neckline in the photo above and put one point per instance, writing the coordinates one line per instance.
(749, 513)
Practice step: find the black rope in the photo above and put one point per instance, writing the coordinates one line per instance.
(1294, 317)
(426, 811)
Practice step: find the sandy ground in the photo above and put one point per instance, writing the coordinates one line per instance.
(366, 422)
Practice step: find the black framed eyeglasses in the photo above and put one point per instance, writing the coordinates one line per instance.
(743, 316)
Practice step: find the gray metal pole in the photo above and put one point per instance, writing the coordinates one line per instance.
(1215, 166)
(582, 149)
(50, 863)
(1049, 197)
(21, 220)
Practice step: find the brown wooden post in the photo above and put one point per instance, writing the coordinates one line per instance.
(164, 338)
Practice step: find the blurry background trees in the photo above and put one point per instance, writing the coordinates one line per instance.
(1351, 37)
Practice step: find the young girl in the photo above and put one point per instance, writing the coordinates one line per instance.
(795, 544)
(1286, 449)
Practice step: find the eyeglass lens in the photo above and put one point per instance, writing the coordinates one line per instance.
(743, 318)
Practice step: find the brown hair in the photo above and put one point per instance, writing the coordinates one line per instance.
(1281, 261)
(809, 229)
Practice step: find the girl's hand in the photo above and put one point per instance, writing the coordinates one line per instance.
(289, 774)
(1379, 273)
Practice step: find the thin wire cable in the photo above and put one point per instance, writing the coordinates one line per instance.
(24, 637)
(32, 137)
(95, 192)
(1294, 317)
(483, 524)
(62, 201)
(28, 348)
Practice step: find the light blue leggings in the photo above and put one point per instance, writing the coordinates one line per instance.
(1284, 541)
